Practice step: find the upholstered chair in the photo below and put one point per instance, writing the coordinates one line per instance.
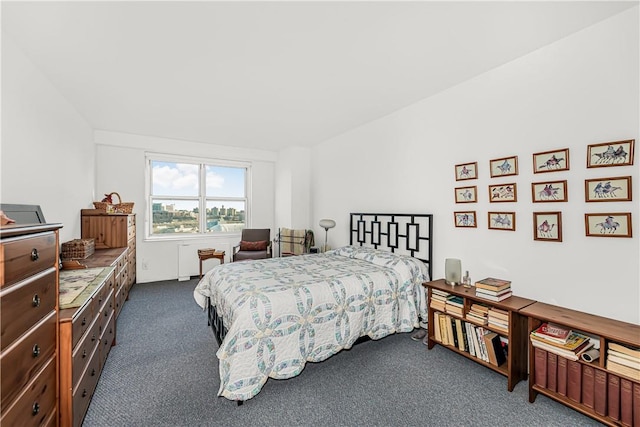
(255, 244)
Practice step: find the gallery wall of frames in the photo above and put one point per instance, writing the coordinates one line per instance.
(552, 187)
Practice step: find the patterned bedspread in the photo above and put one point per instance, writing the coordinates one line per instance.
(282, 312)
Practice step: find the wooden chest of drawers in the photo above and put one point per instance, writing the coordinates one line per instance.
(87, 332)
(28, 318)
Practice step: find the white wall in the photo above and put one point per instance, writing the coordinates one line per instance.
(120, 167)
(578, 91)
(47, 146)
(293, 176)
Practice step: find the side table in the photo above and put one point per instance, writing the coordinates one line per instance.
(208, 253)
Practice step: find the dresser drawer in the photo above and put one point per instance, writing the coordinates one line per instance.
(36, 403)
(82, 321)
(20, 362)
(84, 392)
(107, 339)
(106, 311)
(23, 305)
(22, 257)
(83, 350)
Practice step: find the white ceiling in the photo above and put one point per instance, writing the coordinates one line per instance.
(274, 74)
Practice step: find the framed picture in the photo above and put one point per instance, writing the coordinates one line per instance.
(503, 193)
(465, 219)
(466, 194)
(608, 224)
(505, 166)
(616, 189)
(617, 153)
(549, 191)
(547, 226)
(502, 221)
(551, 161)
(467, 171)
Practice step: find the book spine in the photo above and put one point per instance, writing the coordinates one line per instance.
(436, 327)
(588, 386)
(574, 380)
(490, 350)
(443, 329)
(497, 350)
(626, 402)
(562, 375)
(600, 393)
(552, 371)
(613, 397)
(540, 366)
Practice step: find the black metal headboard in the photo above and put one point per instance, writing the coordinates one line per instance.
(406, 234)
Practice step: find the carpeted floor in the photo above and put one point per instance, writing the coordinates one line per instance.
(163, 372)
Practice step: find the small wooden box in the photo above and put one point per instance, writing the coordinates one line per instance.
(78, 249)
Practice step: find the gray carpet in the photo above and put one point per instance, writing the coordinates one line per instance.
(163, 372)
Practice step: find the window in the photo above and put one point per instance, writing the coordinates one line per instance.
(179, 190)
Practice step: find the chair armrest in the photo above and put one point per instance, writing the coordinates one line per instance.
(235, 249)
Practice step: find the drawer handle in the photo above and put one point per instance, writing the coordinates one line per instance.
(35, 409)
(93, 372)
(84, 353)
(84, 321)
(36, 350)
(34, 254)
(93, 337)
(84, 393)
(35, 301)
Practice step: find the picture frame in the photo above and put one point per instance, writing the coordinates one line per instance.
(549, 191)
(551, 161)
(505, 221)
(466, 194)
(616, 153)
(465, 219)
(608, 224)
(505, 166)
(466, 171)
(616, 189)
(547, 226)
(503, 193)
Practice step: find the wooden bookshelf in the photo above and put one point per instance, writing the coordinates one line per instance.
(609, 407)
(515, 367)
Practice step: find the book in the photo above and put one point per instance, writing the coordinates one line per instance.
(468, 328)
(494, 348)
(540, 366)
(552, 371)
(626, 402)
(631, 351)
(444, 332)
(574, 342)
(626, 362)
(499, 314)
(480, 308)
(553, 332)
(455, 301)
(461, 344)
(623, 370)
(569, 354)
(588, 386)
(574, 380)
(436, 328)
(623, 355)
(492, 283)
(613, 397)
(562, 375)
(491, 292)
(600, 393)
(494, 298)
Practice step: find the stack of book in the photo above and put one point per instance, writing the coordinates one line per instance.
(438, 299)
(499, 319)
(561, 341)
(478, 314)
(454, 305)
(624, 360)
(493, 289)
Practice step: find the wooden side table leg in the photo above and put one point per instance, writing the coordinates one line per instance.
(201, 268)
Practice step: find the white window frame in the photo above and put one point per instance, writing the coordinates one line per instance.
(202, 197)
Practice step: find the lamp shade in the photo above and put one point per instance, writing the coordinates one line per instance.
(327, 223)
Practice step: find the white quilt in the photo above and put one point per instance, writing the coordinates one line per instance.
(282, 312)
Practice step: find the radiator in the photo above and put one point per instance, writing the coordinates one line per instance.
(188, 262)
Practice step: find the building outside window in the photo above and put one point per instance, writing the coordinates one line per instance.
(192, 197)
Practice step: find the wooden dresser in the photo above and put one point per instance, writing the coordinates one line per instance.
(112, 231)
(29, 257)
(118, 259)
(87, 331)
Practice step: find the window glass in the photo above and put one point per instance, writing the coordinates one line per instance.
(174, 179)
(225, 216)
(175, 216)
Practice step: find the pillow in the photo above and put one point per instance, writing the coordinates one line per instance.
(260, 245)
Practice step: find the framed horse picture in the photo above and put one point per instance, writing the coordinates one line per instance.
(616, 189)
(617, 153)
(467, 194)
(608, 224)
(502, 221)
(547, 226)
(549, 191)
(503, 193)
(505, 166)
(466, 171)
(465, 219)
(551, 161)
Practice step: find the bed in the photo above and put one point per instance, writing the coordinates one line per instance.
(272, 316)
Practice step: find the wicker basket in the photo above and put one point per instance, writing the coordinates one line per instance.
(120, 207)
(78, 249)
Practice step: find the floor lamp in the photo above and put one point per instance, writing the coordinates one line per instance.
(326, 224)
